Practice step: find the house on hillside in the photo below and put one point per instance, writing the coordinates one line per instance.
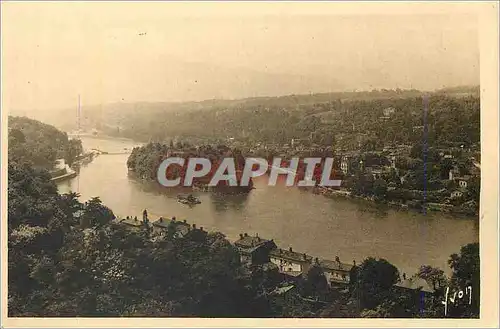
(290, 263)
(376, 171)
(349, 162)
(417, 129)
(336, 272)
(462, 181)
(132, 223)
(345, 164)
(453, 173)
(181, 227)
(253, 249)
(388, 111)
(414, 284)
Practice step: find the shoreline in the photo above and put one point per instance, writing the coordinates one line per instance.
(68, 175)
(391, 204)
(106, 137)
(430, 206)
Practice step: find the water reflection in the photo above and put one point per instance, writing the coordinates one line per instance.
(222, 202)
(315, 224)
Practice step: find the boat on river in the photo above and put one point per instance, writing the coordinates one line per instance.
(189, 200)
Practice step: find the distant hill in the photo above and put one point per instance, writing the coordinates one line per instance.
(120, 115)
(460, 91)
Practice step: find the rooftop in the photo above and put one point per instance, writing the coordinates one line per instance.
(247, 241)
(180, 226)
(335, 265)
(164, 222)
(291, 255)
(282, 290)
(294, 274)
(415, 283)
(131, 222)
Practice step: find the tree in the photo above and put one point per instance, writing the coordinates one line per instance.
(380, 189)
(375, 280)
(70, 205)
(474, 187)
(73, 149)
(31, 141)
(466, 273)
(417, 150)
(397, 305)
(95, 214)
(315, 282)
(16, 136)
(433, 276)
(362, 184)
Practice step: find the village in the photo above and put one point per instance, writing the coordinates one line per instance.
(401, 175)
(293, 266)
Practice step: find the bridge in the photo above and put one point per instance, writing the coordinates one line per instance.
(101, 152)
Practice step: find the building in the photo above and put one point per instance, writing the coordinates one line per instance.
(453, 173)
(335, 271)
(376, 171)
(345, 164)
(418, 128)
(61, 171)
(290, 263)
(132, 223)
(253, 249)
(462, 181)
(388, 111)
(413, 284)
(296, 142)
(392, 160)
(181, 227)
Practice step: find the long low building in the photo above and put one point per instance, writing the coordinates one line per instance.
(181, 227)
(291, 263)
(335, 271)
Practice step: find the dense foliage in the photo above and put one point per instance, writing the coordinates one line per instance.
(336, 121)
(145, 160)
(73, 260)
(68, 258)
(40, 144)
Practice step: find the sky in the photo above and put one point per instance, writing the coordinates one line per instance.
(153, 52)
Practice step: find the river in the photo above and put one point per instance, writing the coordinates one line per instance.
(314, 224)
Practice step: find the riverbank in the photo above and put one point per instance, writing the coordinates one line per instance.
(66, 176)
(63, 174)
(348, 227)
(103, 137)
(412, 206)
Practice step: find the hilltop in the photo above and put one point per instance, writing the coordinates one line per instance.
(118, 114)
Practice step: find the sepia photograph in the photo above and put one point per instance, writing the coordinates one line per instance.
(252, 160)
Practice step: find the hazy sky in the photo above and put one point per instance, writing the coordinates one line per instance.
(110, 52)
